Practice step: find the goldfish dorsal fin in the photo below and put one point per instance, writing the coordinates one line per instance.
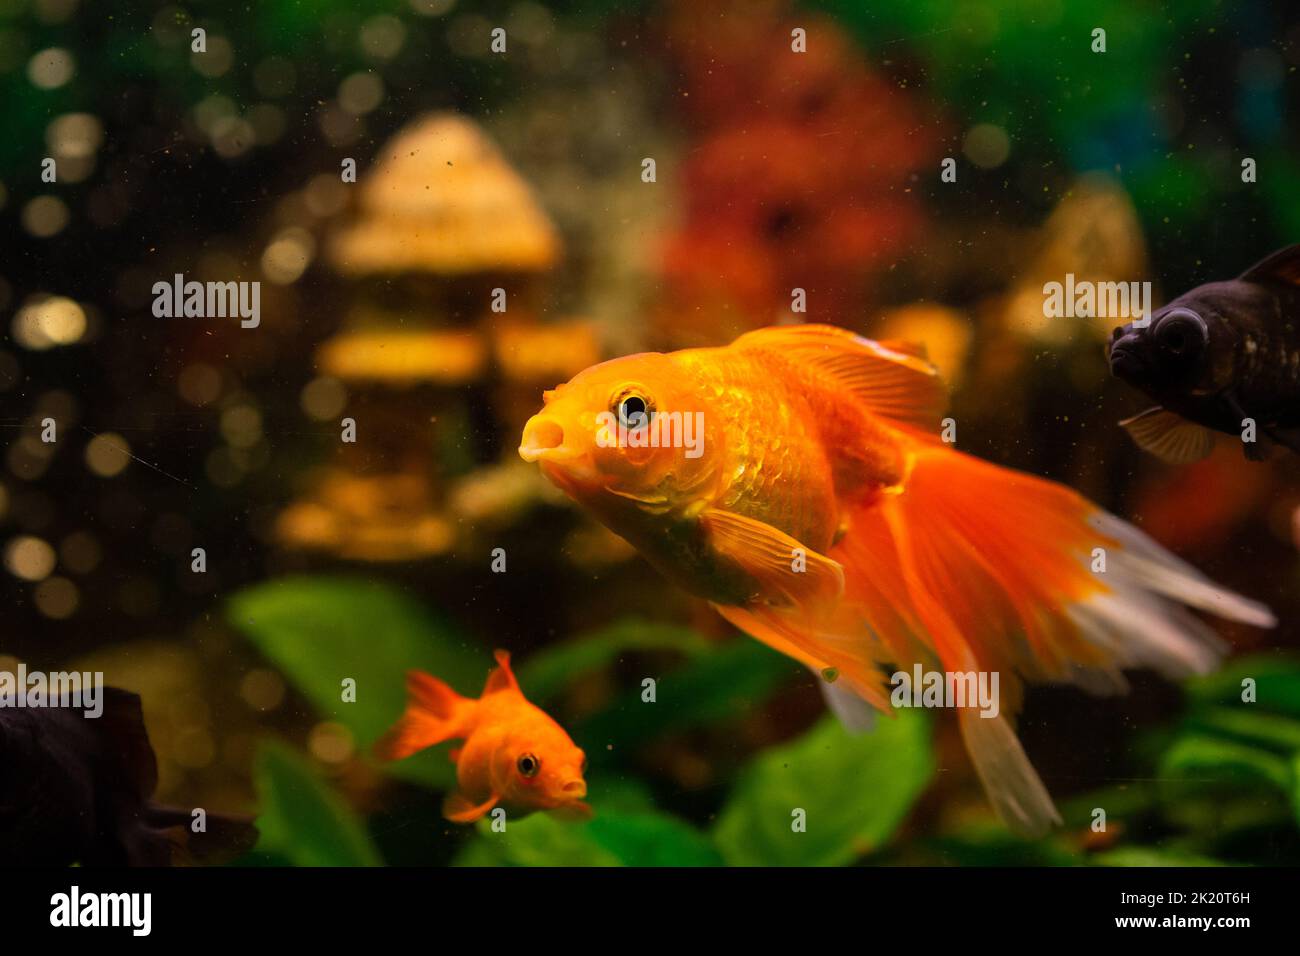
(1169, 437)
(777, 562)
(503, 678)
(914, 349)
(1281, 266)
(895, 382)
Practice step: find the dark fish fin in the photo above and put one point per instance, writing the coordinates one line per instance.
(1288, 438)
(1257, 450)
(227, 837)
(1281, 266)
(125, 742)
(1169, 437)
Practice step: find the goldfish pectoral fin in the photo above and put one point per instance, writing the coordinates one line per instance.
(1281, 266)
(1169, 437)
(459, 808)
(892, 380)
(576, 812)
(779, 563)
(850, 709)
(454, 754)
(503, 678)
(791, 633)
(1012, 783)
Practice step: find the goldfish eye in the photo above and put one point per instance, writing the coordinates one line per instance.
(632, 410)
(528, 765)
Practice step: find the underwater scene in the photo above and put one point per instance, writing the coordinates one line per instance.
(700, 433)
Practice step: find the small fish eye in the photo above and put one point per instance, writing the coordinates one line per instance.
(528, 765)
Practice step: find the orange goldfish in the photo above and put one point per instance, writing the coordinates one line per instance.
(817, 509)
(513, 753)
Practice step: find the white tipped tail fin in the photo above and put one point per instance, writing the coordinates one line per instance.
(1152, 568)
(1012, 784)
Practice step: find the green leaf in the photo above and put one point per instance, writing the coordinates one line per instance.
(1246, 723)
(319, 631)
(1219, 761)
(1152, 856)
(303, 821)
(611, 838)
(987, 842)
(855, 791)
(548, 671)
(1295, 786)
(1277, 684)
(714, 686)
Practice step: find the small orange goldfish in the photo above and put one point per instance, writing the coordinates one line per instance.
(514, 754)
(795, 480)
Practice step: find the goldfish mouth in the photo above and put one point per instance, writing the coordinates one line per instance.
(543, 442)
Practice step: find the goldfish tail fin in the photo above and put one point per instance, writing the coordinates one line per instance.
(851, 709)
(1010, 780)
(1164, 574)
(434, 713)
(1005, 573)
(1006, 569)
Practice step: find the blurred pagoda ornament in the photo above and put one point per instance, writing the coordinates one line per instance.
(1093, 234)
(439, 225)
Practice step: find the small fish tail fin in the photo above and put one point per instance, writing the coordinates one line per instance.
(1004, 573)
(434, 713)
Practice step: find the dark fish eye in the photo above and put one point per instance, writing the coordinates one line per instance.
(1181, 332)
(528, 765)
(1174, 337)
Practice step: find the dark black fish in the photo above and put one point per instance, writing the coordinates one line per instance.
(1215, 356)
(77, 790)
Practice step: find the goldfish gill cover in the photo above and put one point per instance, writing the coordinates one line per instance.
(484, 434)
